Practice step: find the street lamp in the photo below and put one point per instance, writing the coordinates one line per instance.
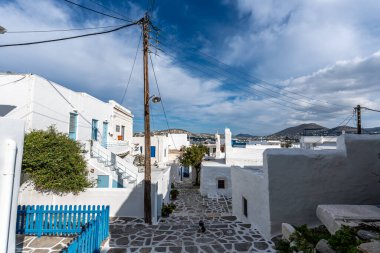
(2, 30)
(155, 99)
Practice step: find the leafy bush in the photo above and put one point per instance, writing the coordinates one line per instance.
(303, 239)
(345, 240)
(167, 209)
(54, 163)
(173, 194)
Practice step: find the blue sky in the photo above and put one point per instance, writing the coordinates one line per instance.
(254, 66)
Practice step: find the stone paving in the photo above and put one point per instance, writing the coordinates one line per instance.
(179, 232)
(44, 244)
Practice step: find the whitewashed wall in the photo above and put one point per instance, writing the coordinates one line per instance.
(211, 172)
(124, 202)
(11, 131)
(161, 142)
(251, 184)
(250, 156)
(296, 181)
(176, 141)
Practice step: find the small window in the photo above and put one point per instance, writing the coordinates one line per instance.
(245, 207)
(117, 128)
(221, 184)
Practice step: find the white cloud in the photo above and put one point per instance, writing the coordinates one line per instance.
(290, 38)
(101, 65)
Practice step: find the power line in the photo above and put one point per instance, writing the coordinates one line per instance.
(13, 81)
(369, 109)
(130, 74)
(233, 76)
(68, 38)
(105, 7)
(162, 103)
(64, 30)
(255, 78)
(248, 91)
(101, 13)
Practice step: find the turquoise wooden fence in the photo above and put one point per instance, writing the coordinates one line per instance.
(90, 223)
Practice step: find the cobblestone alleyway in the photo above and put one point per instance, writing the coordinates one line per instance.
(179, 232)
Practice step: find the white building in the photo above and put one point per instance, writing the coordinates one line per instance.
(161, 147)
(106, 130)
(318, 142)
(42, 103)
(291, 183)
(216, 174)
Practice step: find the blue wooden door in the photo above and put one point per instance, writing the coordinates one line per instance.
(73, 125)
(152, 151)
(105, 133)
(103, 181)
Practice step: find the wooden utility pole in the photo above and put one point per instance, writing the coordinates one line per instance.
(359, 117)
(147, 172)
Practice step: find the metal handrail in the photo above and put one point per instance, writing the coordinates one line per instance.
(107, 157)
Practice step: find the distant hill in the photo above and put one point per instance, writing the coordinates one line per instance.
(295, 132)
(338, 130)
(244, 136)
(174, 131)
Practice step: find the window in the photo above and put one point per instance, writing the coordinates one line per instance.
(245, 207)
(122, 132)
(117, 128)
(73, 124)
(221, 184)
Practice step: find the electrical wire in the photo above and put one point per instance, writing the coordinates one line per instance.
(101, 13)
(162, 103)
(219, 74)
(130, 74)
(64, 30)
(281, 93)
(69, 38)
(1, 85)
(349, 118)
(256, 79)
(108, 9)
(369, 109)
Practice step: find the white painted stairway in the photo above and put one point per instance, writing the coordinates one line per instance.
(110, 162)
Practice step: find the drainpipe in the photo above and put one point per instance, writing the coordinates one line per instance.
(7, 173)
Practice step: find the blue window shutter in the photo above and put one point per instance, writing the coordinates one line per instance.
(152, 151)
(103, 181)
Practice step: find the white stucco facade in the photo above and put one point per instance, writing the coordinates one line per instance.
(160, 145)
(211, 172)
(11, 152)
(177, 141)
(42, 103)
(293, 182)
(318, 142)
(214, 170)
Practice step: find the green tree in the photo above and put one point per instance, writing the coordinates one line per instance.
(54, 163)
(193, 156)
